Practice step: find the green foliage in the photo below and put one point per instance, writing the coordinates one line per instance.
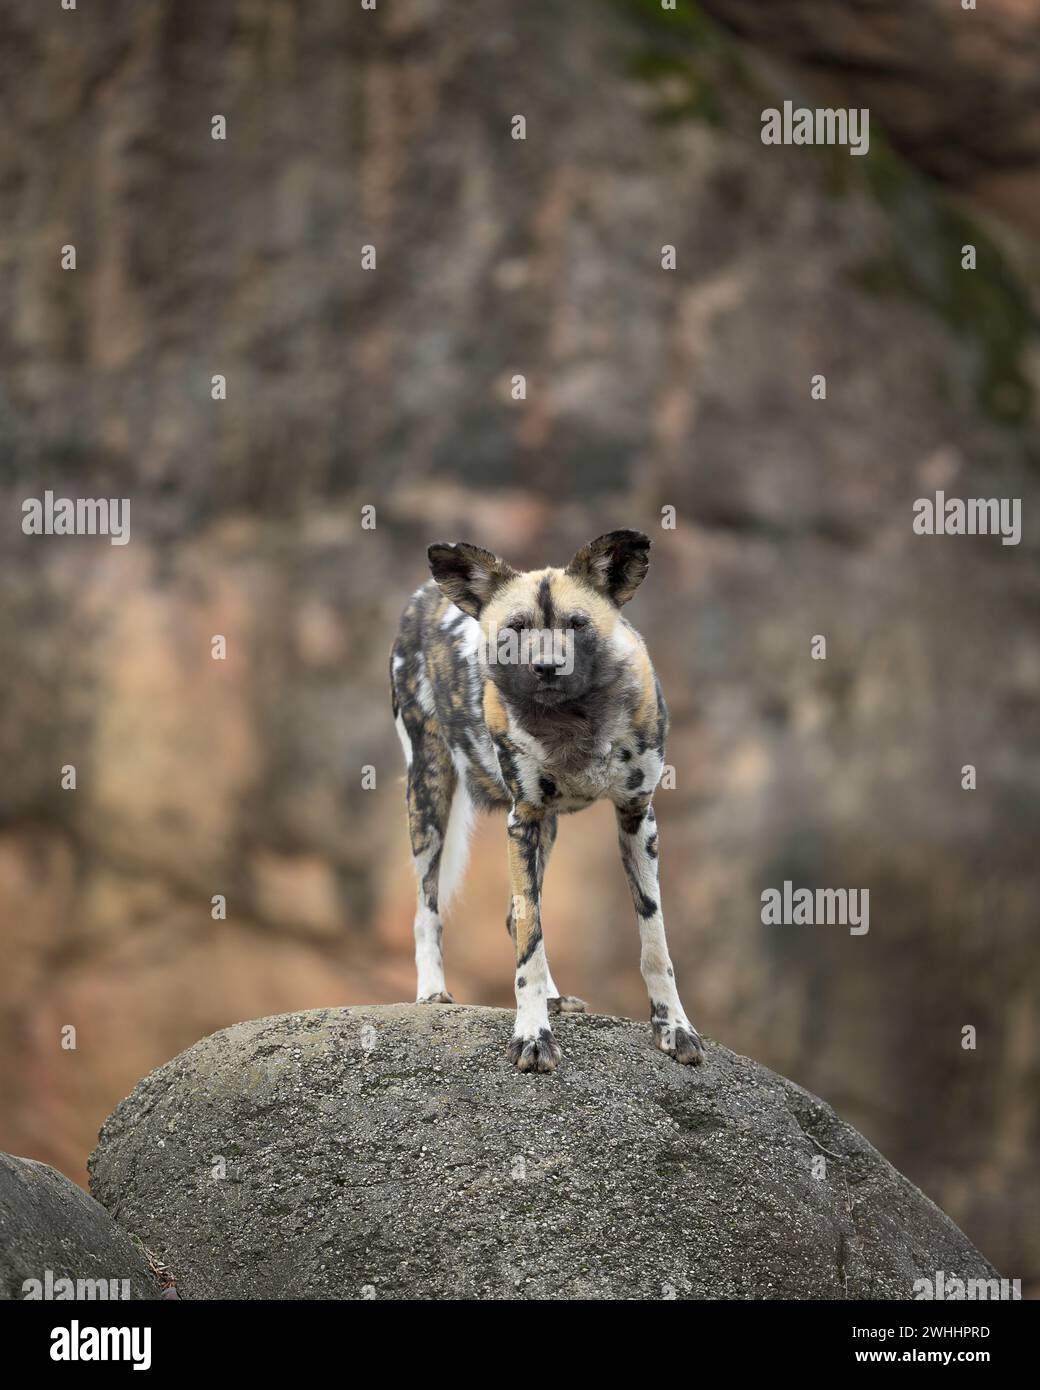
(921, 260)
(688, 57)
(695, 64)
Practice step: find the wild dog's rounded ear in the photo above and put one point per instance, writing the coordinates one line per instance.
(467, 575)
(614, 565)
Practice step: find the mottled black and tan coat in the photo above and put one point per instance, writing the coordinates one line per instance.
(566, 724)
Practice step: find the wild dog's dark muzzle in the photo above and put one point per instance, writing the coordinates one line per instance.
(547, 670)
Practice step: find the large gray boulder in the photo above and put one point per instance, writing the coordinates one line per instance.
(56, 1242)
(393, 1152)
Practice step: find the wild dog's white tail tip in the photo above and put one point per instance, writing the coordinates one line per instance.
(456, 845)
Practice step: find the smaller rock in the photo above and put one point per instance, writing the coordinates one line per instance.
(56, 1242)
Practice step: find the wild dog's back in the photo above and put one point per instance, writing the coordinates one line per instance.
(438, 686)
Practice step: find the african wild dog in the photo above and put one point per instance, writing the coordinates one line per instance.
(576, 714)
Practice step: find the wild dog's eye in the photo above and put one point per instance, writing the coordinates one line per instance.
(517, 624)
(578, 620)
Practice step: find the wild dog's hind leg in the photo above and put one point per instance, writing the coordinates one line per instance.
(532, 1046)
(637, 836)
(431, 786)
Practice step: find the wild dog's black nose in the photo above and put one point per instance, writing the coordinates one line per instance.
(546, 669)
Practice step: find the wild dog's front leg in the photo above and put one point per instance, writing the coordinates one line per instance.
(637, 835)
(532, 1046)
(558, 1003)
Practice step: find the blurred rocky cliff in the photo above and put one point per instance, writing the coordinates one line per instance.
(646, 389)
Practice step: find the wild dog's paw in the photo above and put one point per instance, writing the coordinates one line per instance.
(681, 1041)
(443, 997)
(566, 1004)
(542, 1053)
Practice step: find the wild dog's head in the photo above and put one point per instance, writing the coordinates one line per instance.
(549, 636)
